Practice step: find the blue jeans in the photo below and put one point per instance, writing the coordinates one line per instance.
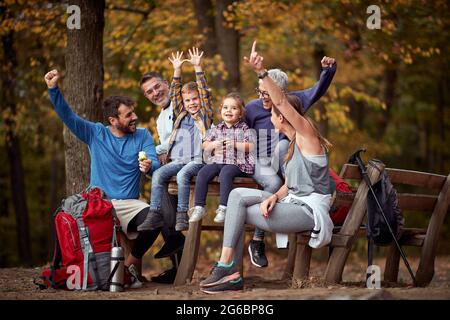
(184, 174)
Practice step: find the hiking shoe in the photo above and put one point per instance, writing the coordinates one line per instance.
(219, 275)
(220, 214)
(256, 249)
(131, 278)
(167, 277)
(182, 221)
(154, 220)
(174, 244)
(197, 213)
(232, 285)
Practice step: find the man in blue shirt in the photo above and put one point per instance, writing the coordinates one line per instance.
(271, 146)
(115, 167)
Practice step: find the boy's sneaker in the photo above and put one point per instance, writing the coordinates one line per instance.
(154, 220)
(232, 285)
(256, 249)
(220, 214)
(182, 221)
(131, 278)
(197, 213)
(219, 275)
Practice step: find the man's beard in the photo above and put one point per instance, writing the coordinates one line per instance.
(130, 128)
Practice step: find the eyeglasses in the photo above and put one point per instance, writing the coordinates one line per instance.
(263, 94)
(155, 88)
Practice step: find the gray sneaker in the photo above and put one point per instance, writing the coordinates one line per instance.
(154, 220)
(220, 215)
(232, 285)
(182, 221)
(197, 213)
(219, 275)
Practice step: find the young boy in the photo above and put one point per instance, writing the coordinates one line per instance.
(193, 112)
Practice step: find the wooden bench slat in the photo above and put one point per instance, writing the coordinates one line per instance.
(407, 201)
(401, 176)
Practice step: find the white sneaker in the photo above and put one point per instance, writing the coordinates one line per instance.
(197, 213)
(133, 281)
(220, 214)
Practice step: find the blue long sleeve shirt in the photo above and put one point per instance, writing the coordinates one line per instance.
(258, 118)
(114, 160)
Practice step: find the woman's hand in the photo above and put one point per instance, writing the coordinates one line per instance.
(177, 60)
(255, 61)
(267, 205)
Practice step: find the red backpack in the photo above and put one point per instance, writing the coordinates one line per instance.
(85, 231)
(338, 214)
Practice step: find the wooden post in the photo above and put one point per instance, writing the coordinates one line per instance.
(301, 269)
(190, 251)
(335, 267)
(289, 270)
(425, 272)
(392, 264)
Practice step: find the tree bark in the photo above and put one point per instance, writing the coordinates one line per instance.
(390, 79)
(17, 176)
(228, 45)
(84, 86)
(204, 11)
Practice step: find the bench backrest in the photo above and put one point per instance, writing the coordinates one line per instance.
(410, 201)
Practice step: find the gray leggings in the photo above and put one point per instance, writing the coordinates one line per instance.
(244, 207)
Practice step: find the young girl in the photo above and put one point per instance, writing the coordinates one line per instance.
(231, 143)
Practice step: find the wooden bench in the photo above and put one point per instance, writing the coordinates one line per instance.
(192, 243)
(435, 203)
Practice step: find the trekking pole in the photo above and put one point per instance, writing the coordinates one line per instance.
(356, 157)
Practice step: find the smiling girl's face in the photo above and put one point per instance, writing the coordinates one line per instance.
(231, 111)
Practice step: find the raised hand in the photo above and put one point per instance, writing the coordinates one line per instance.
(177, 60)
(51, 78)
(196, 56)
(327, 61)
(255, 61)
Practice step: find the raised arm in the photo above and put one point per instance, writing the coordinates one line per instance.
(81, 128)
(311, 95)
(175, 87)
(203, 89)
(306, 136)
(299, 123)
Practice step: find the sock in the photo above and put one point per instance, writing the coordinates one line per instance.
(223, 265)
(221, 206)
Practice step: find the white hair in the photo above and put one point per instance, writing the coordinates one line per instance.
(279, 77)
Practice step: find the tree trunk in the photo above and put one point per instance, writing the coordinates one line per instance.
(390, 79)
(318, 54)
(84, 86)
(441, 123)
(204, 12)
(228, 45)
(17, 177)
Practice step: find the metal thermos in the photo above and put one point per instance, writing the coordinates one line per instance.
(117, 265)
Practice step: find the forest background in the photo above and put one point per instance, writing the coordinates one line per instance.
(390, 93)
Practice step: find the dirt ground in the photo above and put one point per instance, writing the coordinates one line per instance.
(17, 284)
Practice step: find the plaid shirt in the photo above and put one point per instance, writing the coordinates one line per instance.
(239, 132)
(205, 113)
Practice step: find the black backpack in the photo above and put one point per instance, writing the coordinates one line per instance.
(377, 230)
